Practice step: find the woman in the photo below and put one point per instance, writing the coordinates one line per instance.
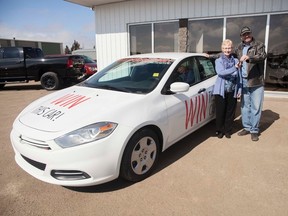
(227, 89)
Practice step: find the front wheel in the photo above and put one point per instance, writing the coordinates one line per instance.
(50, 81)
(140, 156)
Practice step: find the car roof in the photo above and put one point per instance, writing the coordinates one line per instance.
(171, 55)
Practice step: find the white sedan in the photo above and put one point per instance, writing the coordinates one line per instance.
(117, 122)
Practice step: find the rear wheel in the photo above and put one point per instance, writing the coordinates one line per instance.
(50, 81)
(140, 156)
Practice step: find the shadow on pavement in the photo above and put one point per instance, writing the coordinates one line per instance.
(180, 149)
(22, 87)
(267, 119)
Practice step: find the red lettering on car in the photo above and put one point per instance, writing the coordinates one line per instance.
(197, 105)
(70, 100)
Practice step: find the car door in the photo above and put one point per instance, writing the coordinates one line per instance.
(12, 64)
(190, 110)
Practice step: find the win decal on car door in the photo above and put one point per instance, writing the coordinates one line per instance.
(198, 109)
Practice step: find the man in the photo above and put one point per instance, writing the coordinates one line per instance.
(251, 54)
(184, 75)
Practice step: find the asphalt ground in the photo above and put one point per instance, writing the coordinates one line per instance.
(201, 175)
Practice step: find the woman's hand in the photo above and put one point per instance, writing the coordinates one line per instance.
(238, 65)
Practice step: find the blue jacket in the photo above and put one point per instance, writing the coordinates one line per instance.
(225, 68)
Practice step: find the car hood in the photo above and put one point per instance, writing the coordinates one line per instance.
(76, 107)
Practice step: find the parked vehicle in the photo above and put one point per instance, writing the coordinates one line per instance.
(117, 122)
(90, 66)
(23, 64)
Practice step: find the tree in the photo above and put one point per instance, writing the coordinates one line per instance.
(67, 50)
(75, 45)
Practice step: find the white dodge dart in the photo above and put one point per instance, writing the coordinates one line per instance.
(117, 122)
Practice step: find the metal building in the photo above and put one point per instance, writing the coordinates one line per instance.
(125, 27)
(47, 47)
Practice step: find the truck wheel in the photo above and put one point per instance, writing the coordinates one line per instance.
(50, 81)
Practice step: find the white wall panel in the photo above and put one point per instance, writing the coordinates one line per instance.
(234, 8)
(112, 19)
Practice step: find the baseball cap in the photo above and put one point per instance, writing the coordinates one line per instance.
(244, 30)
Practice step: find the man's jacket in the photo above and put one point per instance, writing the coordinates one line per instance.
(255, 64)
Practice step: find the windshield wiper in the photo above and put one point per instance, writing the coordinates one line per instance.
(113, 88)
(109, 87)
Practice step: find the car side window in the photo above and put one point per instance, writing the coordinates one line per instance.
(185, 72)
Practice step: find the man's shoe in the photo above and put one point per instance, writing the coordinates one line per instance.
(228, 135)
(254, 137)
(243, 132)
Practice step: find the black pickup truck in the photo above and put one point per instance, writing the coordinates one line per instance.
(23, 64)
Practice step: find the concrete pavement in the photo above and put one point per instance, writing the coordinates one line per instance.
(201, 175)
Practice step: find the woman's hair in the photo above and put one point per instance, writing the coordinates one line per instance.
(227, 42)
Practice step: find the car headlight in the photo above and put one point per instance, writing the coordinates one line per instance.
(86, 134)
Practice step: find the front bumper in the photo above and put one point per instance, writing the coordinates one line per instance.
(85, 165)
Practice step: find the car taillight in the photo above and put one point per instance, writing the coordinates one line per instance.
(69, 63)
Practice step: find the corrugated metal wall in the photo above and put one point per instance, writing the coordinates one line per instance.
(112, 19)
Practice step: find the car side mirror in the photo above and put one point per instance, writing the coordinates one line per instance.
(179, 87)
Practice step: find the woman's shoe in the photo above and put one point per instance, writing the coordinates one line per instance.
(228, 135)
(219, 134)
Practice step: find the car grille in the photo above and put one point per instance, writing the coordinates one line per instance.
(36, 164)
(35, 143)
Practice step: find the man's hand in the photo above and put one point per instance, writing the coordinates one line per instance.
(244, 58)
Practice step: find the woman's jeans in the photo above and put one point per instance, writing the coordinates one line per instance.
(251, 107)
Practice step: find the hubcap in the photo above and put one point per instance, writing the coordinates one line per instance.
(143, 155)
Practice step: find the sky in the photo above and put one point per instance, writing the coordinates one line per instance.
(47, 21)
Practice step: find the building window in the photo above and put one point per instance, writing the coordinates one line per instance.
(235, 24)
(166, 37)
(277, 59)
(205, 35)
(140, 39)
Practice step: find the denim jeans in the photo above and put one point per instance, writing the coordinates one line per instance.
(251, 107)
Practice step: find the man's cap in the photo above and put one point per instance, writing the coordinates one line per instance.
(244, 30)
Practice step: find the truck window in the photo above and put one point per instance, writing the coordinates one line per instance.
(33, 53)
(10, 52)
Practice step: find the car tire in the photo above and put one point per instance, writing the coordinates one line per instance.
(140, 156)
(2, 86)
(50, 81)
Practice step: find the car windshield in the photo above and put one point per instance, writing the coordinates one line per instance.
(135, 75)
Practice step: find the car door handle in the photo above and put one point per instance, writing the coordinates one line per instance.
(201, 90)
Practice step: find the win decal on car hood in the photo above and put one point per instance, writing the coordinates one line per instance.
(73, 109)
(67, 101)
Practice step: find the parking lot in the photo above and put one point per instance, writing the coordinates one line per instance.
(201, 175)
